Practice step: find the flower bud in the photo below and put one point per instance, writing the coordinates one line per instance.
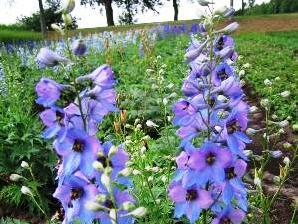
(67, 19)
(101, 198)
(265, 103)
(229, 28)
(150, 123)
(241, 73)
(125, 172)
(267, 82)
(57, 28)
(287, 145)
(276, 154)
(283, 123)
(139, 212)
(26, 190)
(98, 166)
(68, 6)
(251, 131)
(113, 215)
(204, 2)
(93, 206)
(285, 94)
(113, 151)
(286, 161)
(128, 206)
(25, 165)
(15, 177)
(253, 109)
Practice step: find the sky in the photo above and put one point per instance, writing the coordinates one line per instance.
(89, 17)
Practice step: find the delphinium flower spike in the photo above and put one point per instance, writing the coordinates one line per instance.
(208, 179)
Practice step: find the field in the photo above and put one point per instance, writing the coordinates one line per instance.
(149, 80)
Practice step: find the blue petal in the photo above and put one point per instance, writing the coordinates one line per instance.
(51, 132)
(218, 174)
(193, 212)
(233, 144)
(228, 194)
(71, 163)
(189, 178)
(241, 136)
(180, 209)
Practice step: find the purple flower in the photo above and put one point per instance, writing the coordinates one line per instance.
(103, 76)
(210, 162)
(222, 72)
(189, 201)
(229, 215)
(78, 47)
(78, 151)
(48, 92)
(46, 57)
(52, 119)
(74, 193)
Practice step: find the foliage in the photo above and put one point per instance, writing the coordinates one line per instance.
(51, 16)
(272, 7)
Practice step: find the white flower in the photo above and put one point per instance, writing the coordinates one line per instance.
(25, 165)
(277, 78)
(285, 94)
(155, 169)
(26, 190)
(150, 124)
(136, 172)
(158, 57)
(165, 101)
(267, 82)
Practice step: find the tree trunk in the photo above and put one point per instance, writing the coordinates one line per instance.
(42, 19)
(231, 3)
(175, 5)
(109, 12)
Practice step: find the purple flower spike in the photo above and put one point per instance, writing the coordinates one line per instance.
(47, 57)
(48, 92)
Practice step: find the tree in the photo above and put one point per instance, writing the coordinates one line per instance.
(42, 18)
(130, 7)
(175, 6)
(231, 3)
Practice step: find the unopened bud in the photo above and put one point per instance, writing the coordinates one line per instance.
(25, 165)
(93, 206)
(26, 190)
(113, 151)
(67, 19)
(128, 206)
(286, 161)
(98, 166)
(139, 212)
(15, 177)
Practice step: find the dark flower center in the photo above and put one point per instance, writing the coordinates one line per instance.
(109, 204)
(191, 195)
(222, 75)
(220, 43)
(59, 116)
(78, 146)
(225, 220)
(210, 159)
(105, 161)
(211, 102)
(186, 105)
(232, 127)
(76, 193)
(230, 173)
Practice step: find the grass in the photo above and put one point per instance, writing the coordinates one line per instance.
(13, 35)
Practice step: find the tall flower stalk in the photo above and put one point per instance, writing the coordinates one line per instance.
(93, 182)
(212, 119)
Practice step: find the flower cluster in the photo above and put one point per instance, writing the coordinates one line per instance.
(92, 177)
(209, 177)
